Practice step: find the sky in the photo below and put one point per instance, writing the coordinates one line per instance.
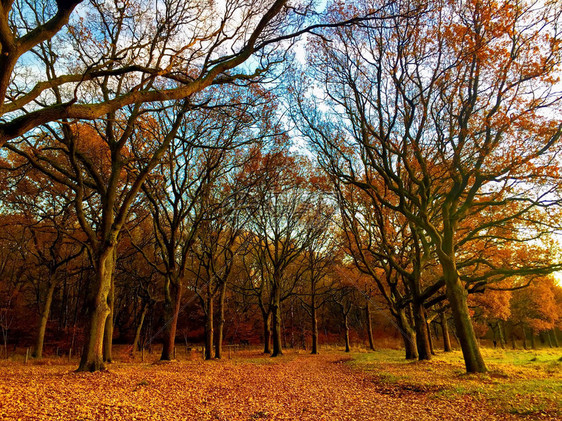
(558, 276)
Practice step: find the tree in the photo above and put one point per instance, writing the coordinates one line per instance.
(319, 260)
(40, 208)
(443, 320)
(136, 282)
(180, 49)
(92, 163)
(211, 145)
(13, 247)
(535, 307)
(219, 242)
(190, 68)
(343, 297)
(213, 260)
(283, 224)
(386, 248)
(492, 309)
(168, 51)
(448, 109)
(53, 251)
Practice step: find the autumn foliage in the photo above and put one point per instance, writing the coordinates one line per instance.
(197, 178)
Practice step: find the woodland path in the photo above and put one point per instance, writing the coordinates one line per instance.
(293, 387)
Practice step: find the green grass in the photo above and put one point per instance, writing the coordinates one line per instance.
(518, 382)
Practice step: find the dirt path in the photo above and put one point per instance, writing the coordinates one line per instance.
(293, 388)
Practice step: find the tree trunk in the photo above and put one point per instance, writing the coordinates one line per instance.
(171, 313)
(422, 337)
(494, 334)
(314, 320)
(92, 354)
(63, 317)
(445, 331)
(456, 293)
(409, 338)
(501, 334)
(549, 338)
(209, 331)
(533, 341)
(513, 345)
(524, 337)
(292, 337)
(555, 338)
(436, 331)
(5, 339)
(369, 326)
(108, 331)
(313, 315)
(38, 350)
(430, 337)
(266, 332)
(408, 335)
(220, 326)
(277, 340)
(346, 327)
(139, 328)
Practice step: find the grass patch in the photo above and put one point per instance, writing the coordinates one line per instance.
(518, 382)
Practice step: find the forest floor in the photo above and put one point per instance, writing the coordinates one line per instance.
(331, 386)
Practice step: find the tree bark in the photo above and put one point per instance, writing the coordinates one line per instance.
(171, 313)
(369, 326)
(555, 338)
(409, 338)
(314, 320)
(266, 332)
(524, 337)
(430, 337)
(346, 328)
(408, 335)
(445, 330)
(108, 331)
(38, 350)
(220, 325)
(501, 334)
(513, 345)
(549, 338)
(422, 337)
(92, 354)
(5, 339)
(209, 329)
(436, 331)
(456, 293)
(139, 328)
(277, 340)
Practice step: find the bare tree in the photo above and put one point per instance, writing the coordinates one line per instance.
(453, 122)
(282, 227)
(167, 51)
(318, 260)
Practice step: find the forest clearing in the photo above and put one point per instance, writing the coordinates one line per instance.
(190, 188)
(378, 385)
